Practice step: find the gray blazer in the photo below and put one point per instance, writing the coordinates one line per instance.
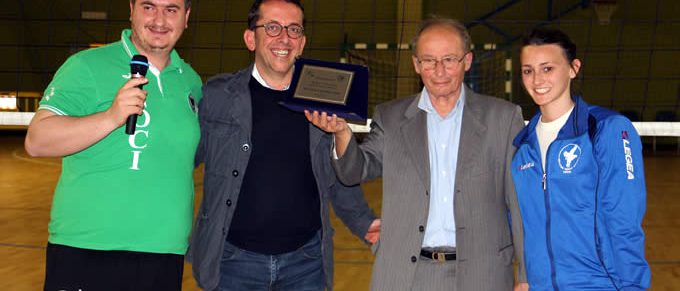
(397, 150)
(226, 118)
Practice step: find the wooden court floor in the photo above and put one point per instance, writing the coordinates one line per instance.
(26, 186)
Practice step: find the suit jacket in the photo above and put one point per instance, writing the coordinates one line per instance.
(225, 116)
(396, 149)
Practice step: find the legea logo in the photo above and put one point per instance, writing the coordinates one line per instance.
(628, 155)
(526, 166)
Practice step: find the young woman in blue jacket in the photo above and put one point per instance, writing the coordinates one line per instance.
(579, 177)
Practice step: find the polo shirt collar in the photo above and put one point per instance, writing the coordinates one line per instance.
(175, 61)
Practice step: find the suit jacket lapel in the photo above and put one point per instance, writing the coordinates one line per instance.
(414, 135)
(472, 131)
(240, 105)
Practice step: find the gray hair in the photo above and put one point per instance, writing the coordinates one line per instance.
(447, 22)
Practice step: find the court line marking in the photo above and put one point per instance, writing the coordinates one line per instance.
(22, 246)
(25, 208)
(352, 262)
(16, 155)
(342, 248)
(664, 262)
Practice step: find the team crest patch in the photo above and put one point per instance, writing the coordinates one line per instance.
(569, 156)
(49, 95)
(192, 103)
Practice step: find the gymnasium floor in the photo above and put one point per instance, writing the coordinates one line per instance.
(26, 186)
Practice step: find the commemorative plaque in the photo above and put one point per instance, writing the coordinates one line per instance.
(335, 88)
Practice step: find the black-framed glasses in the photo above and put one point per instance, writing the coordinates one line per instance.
(274, 29)
(449, 62)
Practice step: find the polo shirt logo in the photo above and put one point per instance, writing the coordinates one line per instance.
(192, 103)
(48, 95)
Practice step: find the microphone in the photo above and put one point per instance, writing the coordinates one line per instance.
(138, 67)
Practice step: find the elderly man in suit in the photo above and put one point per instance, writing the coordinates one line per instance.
(444, 156)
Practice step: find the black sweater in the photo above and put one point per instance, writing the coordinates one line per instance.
(279, 206)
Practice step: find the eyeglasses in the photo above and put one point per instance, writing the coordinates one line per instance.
(274, 29)
(449, 62)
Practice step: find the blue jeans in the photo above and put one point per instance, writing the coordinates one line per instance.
(298, 270)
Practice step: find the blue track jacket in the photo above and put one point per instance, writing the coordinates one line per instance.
(582, 216)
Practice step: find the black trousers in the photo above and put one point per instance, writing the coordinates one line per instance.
(75, 269)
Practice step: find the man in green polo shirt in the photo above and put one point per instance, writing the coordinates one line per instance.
(123, 206)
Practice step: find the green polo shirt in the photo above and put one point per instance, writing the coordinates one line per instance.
(127, 192)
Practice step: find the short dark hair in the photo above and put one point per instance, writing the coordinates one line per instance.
(187, 3)
(254, 13)
(447, 22)
(542, 35)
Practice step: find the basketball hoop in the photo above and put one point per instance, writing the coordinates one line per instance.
(604, 10)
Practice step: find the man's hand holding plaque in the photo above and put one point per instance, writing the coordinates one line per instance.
(334, 88)
(332, 124)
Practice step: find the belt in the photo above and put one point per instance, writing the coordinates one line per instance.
(437, 256)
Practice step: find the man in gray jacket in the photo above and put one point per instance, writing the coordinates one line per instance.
(444, 156)
(263, 223)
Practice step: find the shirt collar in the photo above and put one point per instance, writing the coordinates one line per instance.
(425, 103)
(556, 124)
(258, 77)
(175, 61)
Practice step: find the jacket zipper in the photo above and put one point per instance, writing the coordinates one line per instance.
(546, 196)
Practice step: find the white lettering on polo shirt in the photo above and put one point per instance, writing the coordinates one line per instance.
(139, 139)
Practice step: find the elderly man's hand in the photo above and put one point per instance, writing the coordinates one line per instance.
(373, 233)
(334, 125)
(521, 287)
(330, 124)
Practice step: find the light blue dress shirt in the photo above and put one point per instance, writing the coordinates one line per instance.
(443, 137)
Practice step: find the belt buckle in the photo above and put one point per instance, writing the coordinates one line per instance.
(439, 257)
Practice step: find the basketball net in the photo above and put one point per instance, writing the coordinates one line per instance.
(604, 10)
